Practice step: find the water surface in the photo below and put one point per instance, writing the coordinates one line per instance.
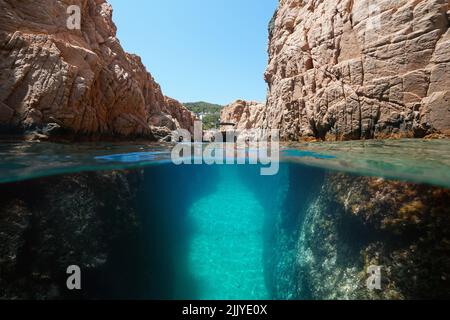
(420, 161)
(210, 230)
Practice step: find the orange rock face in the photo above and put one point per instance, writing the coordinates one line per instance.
(357, 69)
(81, 80)
(243, 114)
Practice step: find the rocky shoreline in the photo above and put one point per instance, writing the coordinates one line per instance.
(350, 70)
(330, 77)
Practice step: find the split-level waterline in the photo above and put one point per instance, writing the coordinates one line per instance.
(140, 226)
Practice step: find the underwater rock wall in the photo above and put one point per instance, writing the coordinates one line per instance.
(287, 203)
(359, 69)
(87, 219)
(356, 222)
(57, 81)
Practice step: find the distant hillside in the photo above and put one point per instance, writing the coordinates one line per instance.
(208, 111)
(203, 107)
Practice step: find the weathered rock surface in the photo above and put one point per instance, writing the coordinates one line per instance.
(352, 223)
(356, 69)
(87, 219)
(244, 114)
(80, 80)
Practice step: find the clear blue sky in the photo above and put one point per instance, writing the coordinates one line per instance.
(199, 50)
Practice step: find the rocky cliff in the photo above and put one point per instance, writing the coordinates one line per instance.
(78, 80)
(356, 69)
(244, 114)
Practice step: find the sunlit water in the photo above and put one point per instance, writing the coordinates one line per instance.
(206, 224)
(226, 252)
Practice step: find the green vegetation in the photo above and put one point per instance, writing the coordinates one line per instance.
(211, 121)
(205, 107)
(208, 111)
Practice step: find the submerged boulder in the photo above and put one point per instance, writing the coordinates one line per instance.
(351, 224)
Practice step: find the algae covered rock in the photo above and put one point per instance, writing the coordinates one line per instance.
(354, 223)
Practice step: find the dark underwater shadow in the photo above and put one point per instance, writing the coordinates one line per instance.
(166, 195)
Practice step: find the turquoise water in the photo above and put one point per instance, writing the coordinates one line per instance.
(207, 229)
(211, 224)
(226, 252)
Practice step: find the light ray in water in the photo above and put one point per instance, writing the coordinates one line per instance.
(227, 250)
